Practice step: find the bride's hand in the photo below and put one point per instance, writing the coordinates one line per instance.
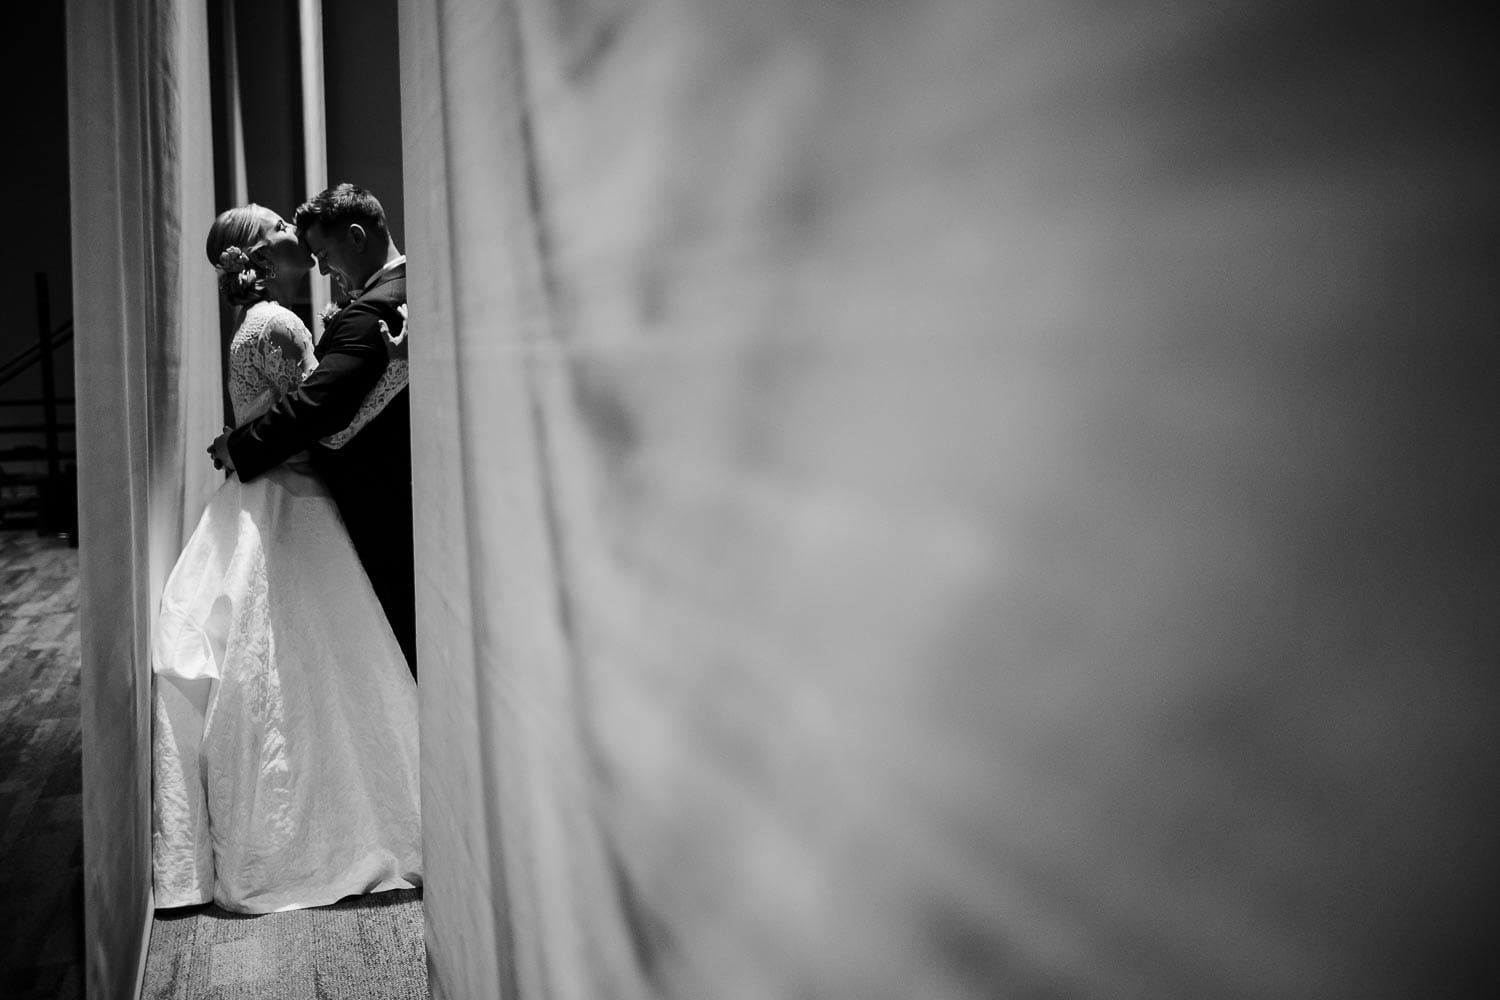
(395, 344)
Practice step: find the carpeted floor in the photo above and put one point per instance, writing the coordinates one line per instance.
(361, 948)
(41, 818)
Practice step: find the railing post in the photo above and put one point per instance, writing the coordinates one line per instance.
(49, 401)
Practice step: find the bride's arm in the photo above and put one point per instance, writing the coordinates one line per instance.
(281, 357)
(286, 352)
(390, 385)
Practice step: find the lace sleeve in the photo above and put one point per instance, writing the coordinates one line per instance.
(390, 385)
(270, 355)
(392, 381)
(284, 354)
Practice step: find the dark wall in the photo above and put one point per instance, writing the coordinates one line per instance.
(35, 178)
(271, 103)
(362, 93)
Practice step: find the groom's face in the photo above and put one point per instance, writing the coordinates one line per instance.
(336, 255)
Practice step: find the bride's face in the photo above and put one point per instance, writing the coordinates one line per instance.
(278, 246)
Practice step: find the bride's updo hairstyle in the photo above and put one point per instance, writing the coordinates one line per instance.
(228, 239)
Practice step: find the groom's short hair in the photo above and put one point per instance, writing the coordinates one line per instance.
(341, 204)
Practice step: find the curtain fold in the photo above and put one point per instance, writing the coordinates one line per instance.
(950, 500)
(465, 902)
(146, 324)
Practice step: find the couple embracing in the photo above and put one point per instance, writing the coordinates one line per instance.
(285, 735)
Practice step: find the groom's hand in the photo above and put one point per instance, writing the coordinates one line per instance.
(220, 451)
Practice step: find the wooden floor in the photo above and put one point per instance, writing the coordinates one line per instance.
(368, 947)
(41, 824)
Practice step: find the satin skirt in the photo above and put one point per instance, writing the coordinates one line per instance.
(285, 730)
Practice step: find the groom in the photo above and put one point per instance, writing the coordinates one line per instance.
(370, 477)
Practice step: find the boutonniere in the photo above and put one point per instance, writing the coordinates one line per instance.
(331, 310)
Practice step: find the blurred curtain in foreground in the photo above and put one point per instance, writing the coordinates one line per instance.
(957, 500)
(147, 344)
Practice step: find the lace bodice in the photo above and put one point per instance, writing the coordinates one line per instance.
(270, 355)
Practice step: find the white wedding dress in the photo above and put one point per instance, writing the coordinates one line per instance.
(285, 738)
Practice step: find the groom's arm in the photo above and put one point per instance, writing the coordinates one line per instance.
(353, 357)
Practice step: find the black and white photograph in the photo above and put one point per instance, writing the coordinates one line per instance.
(749, 500)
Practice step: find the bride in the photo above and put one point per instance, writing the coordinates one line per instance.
(285, 737)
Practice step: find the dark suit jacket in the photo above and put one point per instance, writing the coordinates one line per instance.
(370, 477)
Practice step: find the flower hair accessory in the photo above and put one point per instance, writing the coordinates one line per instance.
(233, 260)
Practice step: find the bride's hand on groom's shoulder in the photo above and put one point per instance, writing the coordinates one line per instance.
(395, 343)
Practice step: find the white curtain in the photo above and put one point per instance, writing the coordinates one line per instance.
(473, 452)
(147, 344)
(948, 500)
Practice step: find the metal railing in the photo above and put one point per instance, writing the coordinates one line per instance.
(51, 500)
